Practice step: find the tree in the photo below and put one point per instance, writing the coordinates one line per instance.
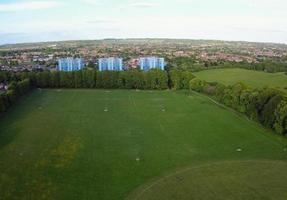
(235, 94)
(197, 85)
(185, 78)
(23, 87)
(132, 79)
(219, 91)
(89, 78)
(43, 79)
(2, 103)
(54, 79)
(91, 65)
(64, 79)
(108, 79)
(156, 79)
(262, 107)
(78, 79)
(11, 96)
(180, 79)
(280, 124)
(135, 79)
(175, 79)
(268, 116)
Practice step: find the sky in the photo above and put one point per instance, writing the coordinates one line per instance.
(55, 20)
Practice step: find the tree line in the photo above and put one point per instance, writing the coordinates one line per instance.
(20, 83)
(132, 79)
(265, 105)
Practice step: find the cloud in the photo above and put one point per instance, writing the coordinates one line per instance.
(139, 4)
(102, 21)
(92, 2)
(30, 5)
(233, 22)
(143, 5)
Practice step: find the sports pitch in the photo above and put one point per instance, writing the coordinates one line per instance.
(121, 144)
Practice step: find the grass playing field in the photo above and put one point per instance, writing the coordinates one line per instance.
(249, 77)
(98, 144)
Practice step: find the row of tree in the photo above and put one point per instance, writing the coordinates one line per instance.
(14, 92)
(21, 83)
(132, 79)
(267, 106)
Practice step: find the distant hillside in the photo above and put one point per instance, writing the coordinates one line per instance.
(163, 41)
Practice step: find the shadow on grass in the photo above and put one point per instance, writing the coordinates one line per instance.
(8, 131)
(7, 136)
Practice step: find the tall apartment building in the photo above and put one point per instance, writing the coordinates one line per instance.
(111, 64)
(70, 64)
(147, 63)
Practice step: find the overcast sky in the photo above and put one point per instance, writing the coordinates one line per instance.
(50, 20)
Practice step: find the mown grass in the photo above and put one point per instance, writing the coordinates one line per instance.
(249, 180)
(256, 79)
(62, 144)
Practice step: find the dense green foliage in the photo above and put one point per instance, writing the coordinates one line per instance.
(132, 79)
(61, 144)
(14, 92)
(265, 105)
(180, 79)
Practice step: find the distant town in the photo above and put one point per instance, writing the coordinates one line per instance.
(142, 54)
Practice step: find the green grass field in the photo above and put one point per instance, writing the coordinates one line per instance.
(120, 144)
(249, 77)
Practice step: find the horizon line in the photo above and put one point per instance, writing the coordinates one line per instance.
(140, 38)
